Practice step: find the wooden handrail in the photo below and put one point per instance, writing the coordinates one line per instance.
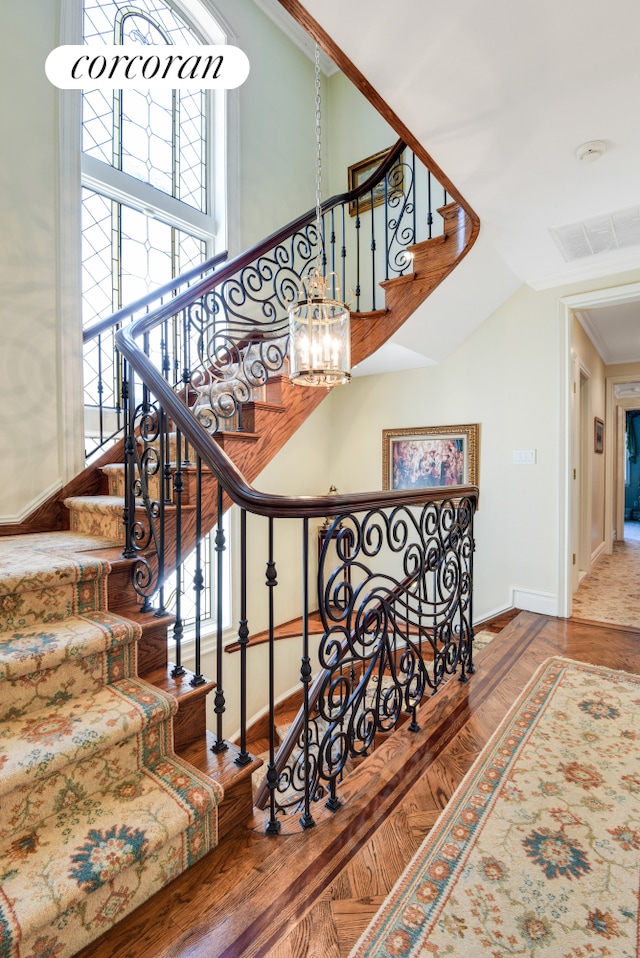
(232, 480)
(104, 324)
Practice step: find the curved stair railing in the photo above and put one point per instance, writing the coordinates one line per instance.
(199, 373)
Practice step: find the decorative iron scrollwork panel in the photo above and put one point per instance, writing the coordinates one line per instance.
(394, 591)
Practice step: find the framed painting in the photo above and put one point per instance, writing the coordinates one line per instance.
(598, 435)
(430, 456)
(359, 172)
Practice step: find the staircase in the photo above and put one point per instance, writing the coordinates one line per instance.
(111, 783)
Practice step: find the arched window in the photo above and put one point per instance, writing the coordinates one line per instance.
(148, 180)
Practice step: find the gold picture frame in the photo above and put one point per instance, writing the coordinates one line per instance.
(359, 172)
(430, 457)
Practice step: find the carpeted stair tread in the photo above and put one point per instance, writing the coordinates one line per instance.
(32, 803)
(52, 569)
(24, 651)
(48, 740)
(51, 868)
(104, 504)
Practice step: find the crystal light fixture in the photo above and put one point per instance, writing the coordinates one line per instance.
(319, 323)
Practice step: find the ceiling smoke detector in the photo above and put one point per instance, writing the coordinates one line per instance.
(591, 151)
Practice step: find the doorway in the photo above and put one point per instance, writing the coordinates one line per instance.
(627, 506)
(569, 537)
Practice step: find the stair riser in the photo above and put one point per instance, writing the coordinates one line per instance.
(75, 676)
(38, 607)
(71, 901)
(116, 485)
(191, 718)
(46, 742)
(103, 523)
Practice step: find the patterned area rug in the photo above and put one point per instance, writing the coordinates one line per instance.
(611, 591)
(482, 639)
(538, 852)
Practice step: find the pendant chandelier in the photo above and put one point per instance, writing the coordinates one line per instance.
(319, 323)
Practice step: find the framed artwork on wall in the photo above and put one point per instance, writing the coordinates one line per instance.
(430, 456)
(598, 435)
(359, 172)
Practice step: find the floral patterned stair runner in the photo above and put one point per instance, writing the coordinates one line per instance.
(97, 516)
(98, 813)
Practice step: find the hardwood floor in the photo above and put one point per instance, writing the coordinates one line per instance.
(312, 893)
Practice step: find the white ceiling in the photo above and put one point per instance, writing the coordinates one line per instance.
(501, 94)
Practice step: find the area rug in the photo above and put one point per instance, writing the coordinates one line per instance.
(538, 852)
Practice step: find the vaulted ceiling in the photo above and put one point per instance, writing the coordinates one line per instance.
(502, 95)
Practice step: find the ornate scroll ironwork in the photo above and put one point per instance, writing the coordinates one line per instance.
(401, 226)
(394, 591)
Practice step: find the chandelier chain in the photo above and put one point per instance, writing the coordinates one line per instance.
(318, 160)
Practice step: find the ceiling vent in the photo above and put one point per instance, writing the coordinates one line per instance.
(600, 234)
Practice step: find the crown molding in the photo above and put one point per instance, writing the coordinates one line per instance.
(296, 33)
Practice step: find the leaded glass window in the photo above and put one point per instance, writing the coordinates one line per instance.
(142, 150)
(147, 211)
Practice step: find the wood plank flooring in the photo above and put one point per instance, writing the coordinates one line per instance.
(311, 894)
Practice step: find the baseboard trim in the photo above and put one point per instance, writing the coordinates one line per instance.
(24, 514)
(543, 603)
(598, 551)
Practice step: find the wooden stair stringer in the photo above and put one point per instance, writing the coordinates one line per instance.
(433, 261)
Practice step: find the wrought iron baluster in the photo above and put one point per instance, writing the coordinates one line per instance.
(128, 516)
(178, 626)
(332, 241)
(100, 388)
(273, 825)
(415, 204)
(306, 820)
(357, 290)
(343, 249)
(471, 548)
(429, 206)
(373, 254)
(186, 369)
(386, 227)
(164, 479)
(198, 579)
(219, 707)
(243, 639)
(120, 372)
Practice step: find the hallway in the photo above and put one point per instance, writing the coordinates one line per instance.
(611, 591)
